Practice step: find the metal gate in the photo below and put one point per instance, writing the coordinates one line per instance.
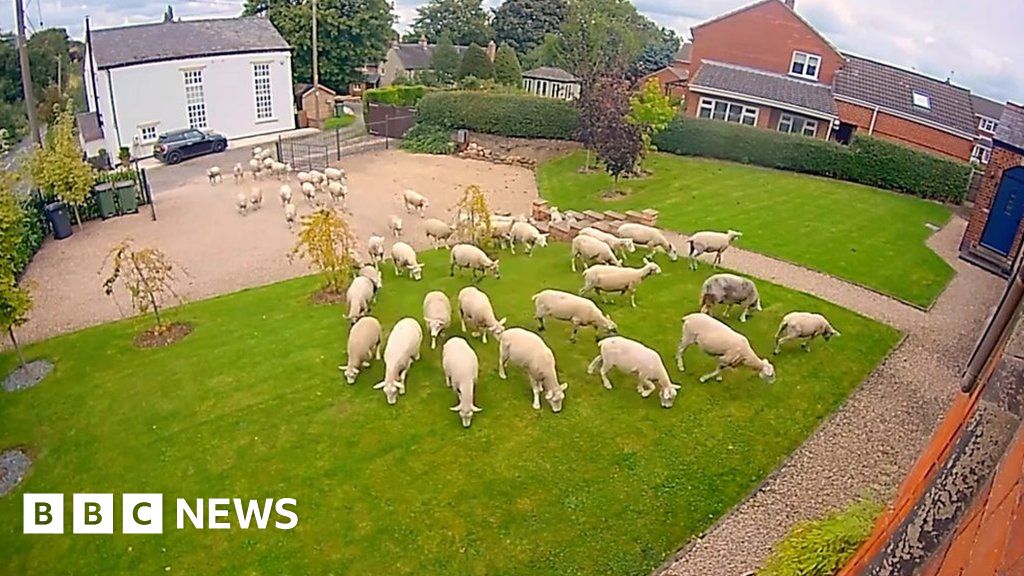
(304, 156)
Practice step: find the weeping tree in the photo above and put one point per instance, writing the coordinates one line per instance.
(15, 303)
(147, 274)
(58, 168)
(473, 218)
(327, 242)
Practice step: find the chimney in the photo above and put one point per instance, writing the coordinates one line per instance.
(791, 4)
(423, 41)
(492, 50)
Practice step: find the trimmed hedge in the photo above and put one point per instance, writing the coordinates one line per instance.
(866, 161)
(395, 95)
(428, 139)
(504, 114)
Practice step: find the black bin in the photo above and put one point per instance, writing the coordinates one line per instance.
(57, 214)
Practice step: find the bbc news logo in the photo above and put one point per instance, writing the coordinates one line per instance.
(144, 513)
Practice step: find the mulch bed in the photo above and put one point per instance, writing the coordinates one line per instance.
(610, 196)
(325, 297)
(14, 465)
(27, 377)
(158, 337)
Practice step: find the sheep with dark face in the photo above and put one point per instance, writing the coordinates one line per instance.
(729, 289)
(803, 326)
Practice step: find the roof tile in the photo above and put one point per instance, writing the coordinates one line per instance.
(1011, 126)
(766, 85)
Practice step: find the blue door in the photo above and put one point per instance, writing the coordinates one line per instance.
(1007, 209)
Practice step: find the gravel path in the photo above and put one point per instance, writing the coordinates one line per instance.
(871, 442)
(14, 464)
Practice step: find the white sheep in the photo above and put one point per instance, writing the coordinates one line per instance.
(476, 312)
(257, 152)
(501, 231)
(238, 172)
(437, 315)
(266, 154)
(372, 274)
(403, 257)
(338, 191)
(334, 174)
(402, 348)
(652, 238)
(290, 214)
(242, 203)
(359, 298)
(303, 177)
(364, 342)
(714, 338)
(528, 351)
(729, 289)
(708, 242)
(395, 225)
(805, 326)
(285, 193)
(268, 164)
(256, 198)
(571, 308)
(309, 191)
(469, 256)
(634, 358)
(527, 234)
(556, 216)
(415, 202)
(603, 278)
(214, 175)
(280, 169)
(622, 246)
(590, 250)
(316, 177)
(461, 371)
(375, 248)
(437, 231)
(254, 167)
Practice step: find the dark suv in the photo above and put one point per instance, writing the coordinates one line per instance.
(177, 145)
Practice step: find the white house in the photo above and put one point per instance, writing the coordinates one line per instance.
(232, 76)
(551, 83)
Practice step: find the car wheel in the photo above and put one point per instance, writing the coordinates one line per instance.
(219, 146)
(174, 157)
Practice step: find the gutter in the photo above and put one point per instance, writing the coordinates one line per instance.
(113, 111)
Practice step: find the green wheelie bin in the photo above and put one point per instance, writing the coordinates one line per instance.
(104, 194)
(126, 196)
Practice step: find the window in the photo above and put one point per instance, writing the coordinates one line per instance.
(791, 124)
(922, 100)
(195, 105)
(728, 111)
(261, 78)
(988, 125)
(805, 65)
(147, 133)
(980, 154)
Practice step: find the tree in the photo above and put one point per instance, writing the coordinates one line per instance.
(525, 23)
(465, 21)
(651, 111)
(476, 63)
(618, 142)
(602, 38)
(15, 302)
(506, 67)
(473, 218)
(350, 33)
(147, 274)
(326, 240)
(58, 168)
(445, 61)
(547, 53)
(659, 52)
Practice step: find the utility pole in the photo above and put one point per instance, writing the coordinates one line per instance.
(60, 85)
(26, 74)
(316, 70)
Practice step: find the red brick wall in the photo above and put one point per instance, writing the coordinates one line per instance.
(1001, 161)
(767, 117)
(664, 76)
(905, 132)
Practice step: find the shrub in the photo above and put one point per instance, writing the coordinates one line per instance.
(470, 83)
(822, 547)
(866, 161)
(476, 62)
(338, 122)
(395, 95)
(428, 139)
(507, 70)
(504, 114)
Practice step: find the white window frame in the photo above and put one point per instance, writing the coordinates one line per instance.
(981, 154)
(806, 61)
(148, 127)
(987, 125)
(745, 112)
(812, 125)
(262, 92)
(195, 101)
(788, 122)
(921, 100)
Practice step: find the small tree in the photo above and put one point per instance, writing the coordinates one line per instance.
(15, 302)
(650, 110)
(473, 218)
(12, 224)
(58, 167)
(507, 70)
(146, 273)
(326, 240)
(618, 142)
(476, 63)
(590, 118)
(445, 61)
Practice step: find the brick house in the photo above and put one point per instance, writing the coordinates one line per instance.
(407, 61)
(986, 115)
(674, 77)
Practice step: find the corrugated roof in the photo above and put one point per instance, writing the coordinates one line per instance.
(89, 126)
(419, 56)
(764, 85)
(985, 107)
(1011, 126)
(124, 46)
(548, 73)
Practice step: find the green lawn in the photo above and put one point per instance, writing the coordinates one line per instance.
(252, 405)
(854, 232)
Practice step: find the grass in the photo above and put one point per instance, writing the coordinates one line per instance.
(857, 233)
(336, 122)
(252, 405)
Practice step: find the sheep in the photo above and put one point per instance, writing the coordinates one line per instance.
(309, 191)
(238, 172)
(571, 308)
(316, 177)
(372, 274)
(395, 225)
(242, 203)
(803, 325)
(364, 342)
(635, 358)
(266, 154)
(650, 237)
(461, 371)
(415, 201)
(476, 312)
(601, 278)
(285, 193)
(622, 246)
(334, 174)
(256, 198)
(729, 289)
(501, 231)
(359, 298)
(268, 164)
(337, 190)
(556, 216)
(290, 214)
(303, 177)
(717, 242)
(469, 256)
(280, 169)
(401, 350)
(438, 232)
(375, 247)
(437, 315)
(714, 338)
(528, 351)
(527, 235)
(254, 167)
(214, 175)
(403, 257)
(590, 250)
(257, 152)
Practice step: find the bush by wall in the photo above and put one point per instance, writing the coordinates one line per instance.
(866, 161)
(395, 95)
(504, 114)
(428, 139)
(823, 546)
(32, 230)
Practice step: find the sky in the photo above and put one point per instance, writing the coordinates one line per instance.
(976, 43)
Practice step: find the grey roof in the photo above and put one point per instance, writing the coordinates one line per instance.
(985, 107)
(1011, 126)
(548, 73)
(127, 45)
(892, 88)
(764, 85)
(419, 56)
(89, 126)
(684, 52)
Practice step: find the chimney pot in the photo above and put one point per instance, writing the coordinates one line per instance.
(492, 50)
(790, 3)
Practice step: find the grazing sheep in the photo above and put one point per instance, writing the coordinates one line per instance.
(256, 198)
(729, 289)
(364, 341)
(266, 154)
(338, 191)
(414, 201)
(257, 152)
(528, 351)
(731, 348)
(590, 250)
(290, 214)
(372, 274)
(214, 175)
(805, 326)
(375, 248)
(303, 177)
(402, 348)
(334, 174)
(316, 177)
(254, 167)
(527, 234)
(650, 237)
(437, 315)
(238, 172)
(602, 278)
(359, 298)
(395, 225)
(285, 193)
(403, 257)
(242, 203)
(571, 308)
(501, 231)
(622, 246)
(635, 358)
(309, 191)
(475, 311)
(707, 242)
(268, 164)
(280, 169)
(438, 232)
(469, 256)
(461, 371)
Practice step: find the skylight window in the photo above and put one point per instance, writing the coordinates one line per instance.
(922, 101)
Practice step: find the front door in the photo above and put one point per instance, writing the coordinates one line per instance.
(1007, 209)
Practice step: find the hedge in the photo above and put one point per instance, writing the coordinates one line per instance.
(865, 161)
(396, 95)
(33, 230)
(504, 114)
